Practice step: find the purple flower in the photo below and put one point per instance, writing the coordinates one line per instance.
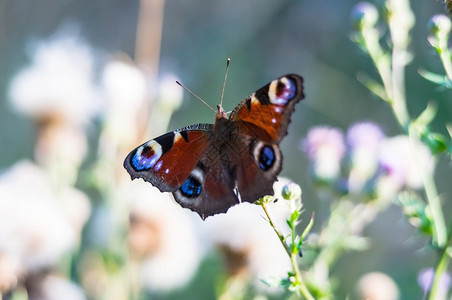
(364, 141)
(365, 134)
(403, 162)
(325, 148)
(425, 280)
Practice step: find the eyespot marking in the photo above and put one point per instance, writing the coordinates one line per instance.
(191, 188)
(281, 91)
(146, 156)
(267, 158)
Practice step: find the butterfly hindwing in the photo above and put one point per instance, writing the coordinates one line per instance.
(209, 188)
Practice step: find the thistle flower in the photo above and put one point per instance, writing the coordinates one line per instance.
(364, 142)
(162, 237)
(61, 148)
(402, 163)
(58, 83)
(124, 89)
(36, 226)
(425, 280)
(169, 99)
(325, 148)
(169, 96)
(51, 287)
(255, 253)
(11, 272)
(56, 91)
(377, 286)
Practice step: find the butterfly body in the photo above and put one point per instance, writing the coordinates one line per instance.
(210, 168)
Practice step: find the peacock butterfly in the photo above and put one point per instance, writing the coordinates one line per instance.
(211, 167)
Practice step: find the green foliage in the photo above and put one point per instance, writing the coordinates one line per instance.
(417, 212)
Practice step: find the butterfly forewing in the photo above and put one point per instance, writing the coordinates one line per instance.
(167, 161)
(267, 111)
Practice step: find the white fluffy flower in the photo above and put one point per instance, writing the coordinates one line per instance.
(170, 94)
(377, 286)
(124, 88)
(243, 230)
(61, 148)
(58, 81)
(163, 234)
(11, 271)
(34, 227)
(51, 287)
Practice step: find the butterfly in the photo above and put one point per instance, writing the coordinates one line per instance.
(211, 167)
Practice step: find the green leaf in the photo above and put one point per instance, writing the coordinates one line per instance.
(273, 282)
(290, 224)
(374, 86)
(436, 142)
(427, 116)
(417, 212)
(308, 228)
(439, 79)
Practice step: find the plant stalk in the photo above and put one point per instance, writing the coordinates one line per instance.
(293, 258)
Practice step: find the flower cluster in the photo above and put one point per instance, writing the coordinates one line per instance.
(409, 159)
(366, 161)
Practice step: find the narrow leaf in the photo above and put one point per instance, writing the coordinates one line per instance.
(308, 228)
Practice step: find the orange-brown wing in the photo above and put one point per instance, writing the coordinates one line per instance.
(167, 160)
(265, 114)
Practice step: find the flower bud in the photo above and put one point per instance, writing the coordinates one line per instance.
(364, 14)
(291, 191)
(440, 26)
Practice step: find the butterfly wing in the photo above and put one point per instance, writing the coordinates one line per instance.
(262, 120)
(187, 163)
(266, 113)
(167, 161)
(210, 187)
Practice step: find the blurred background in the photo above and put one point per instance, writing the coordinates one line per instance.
(84, 82)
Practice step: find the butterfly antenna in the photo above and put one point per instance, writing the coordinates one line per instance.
(224, 82)
(196, 96)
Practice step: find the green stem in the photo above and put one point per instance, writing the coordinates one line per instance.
(379, 58)
(439, 233)
(398, 87)
(441, 266)
(293, 258)
(445, 56)
(447, 62)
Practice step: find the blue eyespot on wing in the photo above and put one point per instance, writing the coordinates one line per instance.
(167, 160)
